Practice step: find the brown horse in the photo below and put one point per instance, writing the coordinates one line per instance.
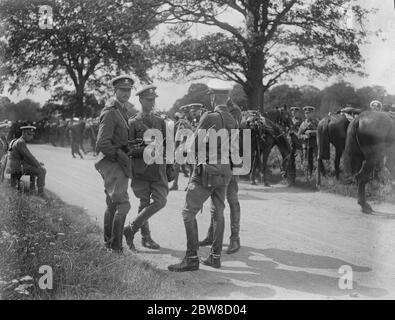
(370, 143)
(331, 130)
(264, 136)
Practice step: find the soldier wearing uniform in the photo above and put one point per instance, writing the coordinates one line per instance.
(148, 181)
(232, 196)
(180, 124)
(210, 179)
(76, 133)
(296, 121)
(307, 133)
(20, 161)
(114, 163)
(376, 105)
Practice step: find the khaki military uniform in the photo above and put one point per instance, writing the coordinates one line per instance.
(21, 161)
(200, 188)
(149, 182)
(114, 167)
(231, 195)
(309, 141)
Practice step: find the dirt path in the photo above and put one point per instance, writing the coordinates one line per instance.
(293, 241)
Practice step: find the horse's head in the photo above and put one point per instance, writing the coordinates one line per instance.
(281, 117)
(280, 140)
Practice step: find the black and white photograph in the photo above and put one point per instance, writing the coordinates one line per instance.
(211, 152)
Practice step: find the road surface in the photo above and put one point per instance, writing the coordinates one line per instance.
(295, 243)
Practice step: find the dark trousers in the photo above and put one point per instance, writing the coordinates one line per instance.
(145, 191)
(197, 194)
(232, 196)
(35, 172)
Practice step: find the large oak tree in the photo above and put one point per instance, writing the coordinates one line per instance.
(276, 39)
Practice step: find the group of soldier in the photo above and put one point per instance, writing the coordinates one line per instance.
(120, 144)
(60, 132)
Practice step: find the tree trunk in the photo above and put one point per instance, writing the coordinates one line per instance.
(79, 97)
(255, 88)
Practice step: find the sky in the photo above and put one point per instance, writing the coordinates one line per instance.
(379, 60)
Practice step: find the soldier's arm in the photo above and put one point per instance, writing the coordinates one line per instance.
(104, 137)
(26, 154)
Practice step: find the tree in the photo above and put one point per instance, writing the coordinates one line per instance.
(367, 94)
(277, 38)
(283, 95)
(338, 96)
(311, 96)
(89, 42)
(26, 110)
(197, 93)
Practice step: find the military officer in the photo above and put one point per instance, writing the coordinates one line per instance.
(307, 133)
(232, 196)
(210, 179)
(296, 121)
(113, 163)
(21, 161)
(148, 181)
(76, 133)
(181, 123)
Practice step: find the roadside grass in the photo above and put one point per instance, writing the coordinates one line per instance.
(35, 233)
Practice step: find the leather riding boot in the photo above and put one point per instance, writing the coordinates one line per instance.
(146, 239)
(129, 232)
(212, 260)
(208, 241)
(118, 225)
(234, 246)
(189, 263)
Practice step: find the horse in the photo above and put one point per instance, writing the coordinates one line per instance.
(281, 117)
(332, 129)
(264, 136)
(370, 143)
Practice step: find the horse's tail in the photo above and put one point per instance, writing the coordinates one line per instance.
(323, 139)
(352, 159)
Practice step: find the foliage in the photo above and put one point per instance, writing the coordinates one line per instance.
(90, 42)
(277, 38)
(23, 110)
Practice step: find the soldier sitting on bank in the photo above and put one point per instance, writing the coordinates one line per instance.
(21, 162)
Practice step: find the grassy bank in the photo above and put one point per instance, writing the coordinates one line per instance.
(34, 233)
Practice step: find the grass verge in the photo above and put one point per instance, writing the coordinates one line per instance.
(35, 233)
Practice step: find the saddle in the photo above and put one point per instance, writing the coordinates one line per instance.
(350, 113)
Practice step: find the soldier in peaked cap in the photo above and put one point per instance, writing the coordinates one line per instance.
(149, 181)
(21, 162)
(210, 180)
(376, 105)
(231, 194)
(114, 163)
(307, 133)
(296, 121)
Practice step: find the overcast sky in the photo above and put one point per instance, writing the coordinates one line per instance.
(379, 61)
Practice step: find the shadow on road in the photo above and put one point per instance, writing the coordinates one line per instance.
(250, 271)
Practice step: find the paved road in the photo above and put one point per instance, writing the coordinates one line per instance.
(293, 241)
